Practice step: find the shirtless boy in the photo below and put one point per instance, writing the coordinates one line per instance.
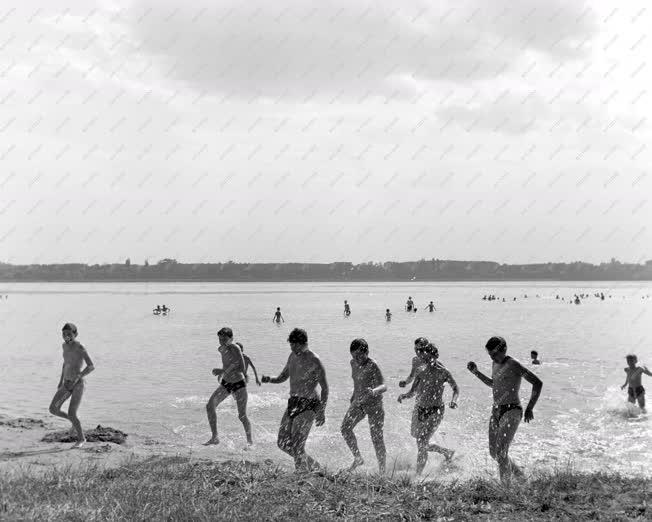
(388, 315)
(232, 382)
(428, 385)
(71, 384)
(416, 360)
(505, 382)
(277, 316)
(431, 307)
(634, 376)
(305, 371)
(347, 309)
(366, 401)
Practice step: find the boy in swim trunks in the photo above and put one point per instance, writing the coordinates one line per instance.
(416, 361)
(71, 384)
(505, 382)
(634, 376)
(277, 316)
(305, 371)
(429, 381)
(248, 363)
(232, 383)
(388, 315)
(366, 401)
(431, 307)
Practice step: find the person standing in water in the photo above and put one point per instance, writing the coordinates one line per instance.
(305, 371)
(506, 413)
(277, 316)
(431, 307)
(232, 382)
(366, 401)
(409, 304)
(71, 384)
(429, 408)
(633, 380)
(388, 315)
(347, 309)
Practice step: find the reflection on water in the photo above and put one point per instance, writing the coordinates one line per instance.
(153, 374)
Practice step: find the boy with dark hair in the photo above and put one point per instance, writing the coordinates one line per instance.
(305, 371)
(71, 384)
(633, 378)
(535, 357)
(366, 401)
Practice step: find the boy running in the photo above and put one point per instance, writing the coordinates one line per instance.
(71, 384)
(305, 371)
(505, 382)
(366, 401)
(429, 407)
(232, 383)
(633, 378)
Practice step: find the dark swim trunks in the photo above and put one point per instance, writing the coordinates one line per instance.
(233, 387)
(424, 412)
(499, 410)
(635, 393)
(299, 405)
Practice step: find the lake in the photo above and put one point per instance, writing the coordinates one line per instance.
(153, 373)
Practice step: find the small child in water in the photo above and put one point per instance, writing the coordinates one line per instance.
(388, 315)
(634, 374)
(535, 357)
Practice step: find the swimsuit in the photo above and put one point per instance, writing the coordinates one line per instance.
(500, 409)
(233, 387)
(299, 405)
(424, 412)
(635, 393)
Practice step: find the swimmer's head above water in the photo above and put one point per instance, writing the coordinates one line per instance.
(69, 332)
(298, 340)
(225, 335)
(359, 350)
(497, 348)
(428, 352)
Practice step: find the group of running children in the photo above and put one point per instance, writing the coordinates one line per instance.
(305, 371)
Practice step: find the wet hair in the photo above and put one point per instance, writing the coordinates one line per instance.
(69, 327)
(225, 332)
(387, 310)
(421, 341)
(430, 348)
(631, 357)
(496, 342)
(359, 345)
(534, 353)
(298, 335)
(278, 307)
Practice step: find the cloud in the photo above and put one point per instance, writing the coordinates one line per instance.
(349, 47)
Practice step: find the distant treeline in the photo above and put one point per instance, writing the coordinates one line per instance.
(423, 270)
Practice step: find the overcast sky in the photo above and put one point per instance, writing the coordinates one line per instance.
(515, 131)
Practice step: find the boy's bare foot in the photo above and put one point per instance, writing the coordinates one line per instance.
(212, 441)
(78, 444)
(357, 462)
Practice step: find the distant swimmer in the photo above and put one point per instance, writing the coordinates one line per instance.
(165, 309)
(157, 310)
(484, 297)
(305, 371)
(505, 382)
(634, 376)
(232, 382)
(71, 384)
(388, 315)
(409, 305)
(347, 309)
(416, 361)
(248, 363)
(277, 316)
(429, 408)
(431, 307)
(366, 401)
(577, 300)
(535, 357)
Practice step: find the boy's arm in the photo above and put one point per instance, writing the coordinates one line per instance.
(456, 390)
(382, 387)
(473, 368)
(409, 378)
(282, 377)
(646, 371)
(254, 369)
(626, 380)
(323, 385)
(89, 364)
(412, 391)
(537, 385)
(61, 378)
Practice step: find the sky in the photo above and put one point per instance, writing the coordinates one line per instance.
(342, 130)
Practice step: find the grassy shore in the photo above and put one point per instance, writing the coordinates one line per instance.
(176, 488)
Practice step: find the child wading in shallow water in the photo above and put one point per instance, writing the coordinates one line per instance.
(71, 383)
(635, 391)
(505, 382)
(366, 401)
(429, 381)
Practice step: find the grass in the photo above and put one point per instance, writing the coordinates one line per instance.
(178, 488)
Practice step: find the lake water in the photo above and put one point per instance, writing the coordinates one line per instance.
(153, 373)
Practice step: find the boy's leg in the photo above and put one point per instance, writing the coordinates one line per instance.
(436, 420)
(241, 397)
(352, 417)
(300, 429)
(60, 396)
(75, 401)
(284, 439)
(218, 396)
(376, 417)
(641, 400)
(424, 430)
(505, 432)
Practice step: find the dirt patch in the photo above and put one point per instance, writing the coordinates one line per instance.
(99, 434)
(22, 423)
